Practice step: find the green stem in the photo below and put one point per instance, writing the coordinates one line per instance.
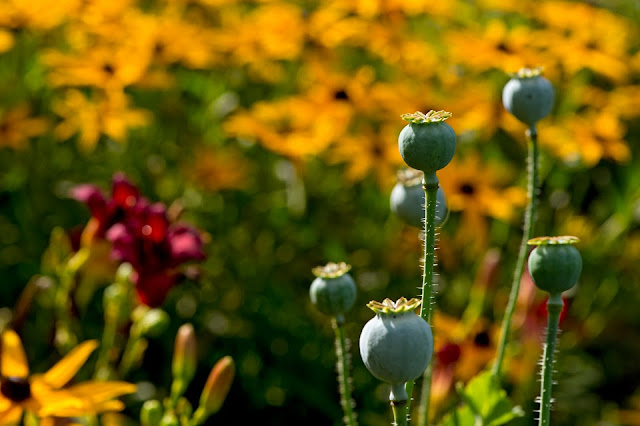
(532, 161)
(399, 413)
(430, 185)
(425, 396)
(554, 308)
(343, 367)
(108, 340)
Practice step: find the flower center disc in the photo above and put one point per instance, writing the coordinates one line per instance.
(17, 389)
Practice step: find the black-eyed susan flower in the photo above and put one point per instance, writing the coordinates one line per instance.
(45, 395)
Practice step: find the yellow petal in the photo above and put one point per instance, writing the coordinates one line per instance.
(11, 416)
(98, 392)
(12, 358)
(60, 374)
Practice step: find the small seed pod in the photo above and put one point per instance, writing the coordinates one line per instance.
(427, 143)
(528, 96)
(555, 264)
(333, 291)
(396, 345)
(408, 200)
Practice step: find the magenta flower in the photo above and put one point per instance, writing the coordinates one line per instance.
(142, 235)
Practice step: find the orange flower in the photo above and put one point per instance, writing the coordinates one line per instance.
(45, 395)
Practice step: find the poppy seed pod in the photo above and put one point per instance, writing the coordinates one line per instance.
(396, 345)
(427, 143)
(408, 200)
(555, 264)
(333, 291)
(528, 96)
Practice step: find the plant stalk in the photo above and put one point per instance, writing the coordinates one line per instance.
(529, 218)
(430, 185)
(399, 413)
(554, 308)
(343, 367)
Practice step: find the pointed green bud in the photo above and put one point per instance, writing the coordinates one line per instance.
(217, 387)
(185, 360)
(153, 323)
(151, 413)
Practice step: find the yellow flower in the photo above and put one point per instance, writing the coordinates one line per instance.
(16, 127)
(45, 395)
(36, 14)
(369, 151)
(109, 115)
(6, 41)
(578, 46)
(476, 190)
(496, 46)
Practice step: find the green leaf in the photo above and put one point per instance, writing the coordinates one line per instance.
(485, 403)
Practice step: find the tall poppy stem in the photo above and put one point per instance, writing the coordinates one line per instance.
(554, 308)
(430, 185)
(529, 218)
(343, 368)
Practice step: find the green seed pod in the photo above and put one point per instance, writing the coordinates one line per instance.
(333, 291)
(408, 200)
(427, 143)
(555, 264)
(396, 345)
(528, 96)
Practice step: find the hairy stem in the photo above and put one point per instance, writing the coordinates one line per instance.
(430, 185)
(344, 368)
(399, 413)
(532, 161)
(554, 308)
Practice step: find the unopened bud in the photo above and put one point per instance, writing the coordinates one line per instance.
(151, 413)
(153, 323)
(185, 360)
(218, 384)
(123, 274)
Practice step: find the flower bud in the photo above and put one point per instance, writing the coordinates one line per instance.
(217, 387)
(528, 96)
(396, 345)
(555, 264)
(333, 291)
(153, 323)
(123, 273)
(151, 413)
(408, 200)
(427, 143)
(185, 360)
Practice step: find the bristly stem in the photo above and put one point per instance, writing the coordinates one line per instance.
(430, 185)
(399, 414)
(344, 378)
(529, 218)
(554, 308)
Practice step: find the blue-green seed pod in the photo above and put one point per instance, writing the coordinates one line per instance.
(396, 345)
(427, 143)
(333, 291)
(555, 264)
(528, 96)
(408, 200)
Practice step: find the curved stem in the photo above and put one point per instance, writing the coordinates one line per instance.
(430, 185)
(524, 249)
(344, 379)
(399, 413)
(554, 308)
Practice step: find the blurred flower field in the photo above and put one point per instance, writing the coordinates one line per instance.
(223, 149)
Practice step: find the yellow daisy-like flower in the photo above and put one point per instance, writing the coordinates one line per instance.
(44, 394)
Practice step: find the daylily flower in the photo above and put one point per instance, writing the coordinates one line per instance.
(142, 235)
(45, 395)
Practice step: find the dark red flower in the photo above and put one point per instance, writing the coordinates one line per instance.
(142, 235)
